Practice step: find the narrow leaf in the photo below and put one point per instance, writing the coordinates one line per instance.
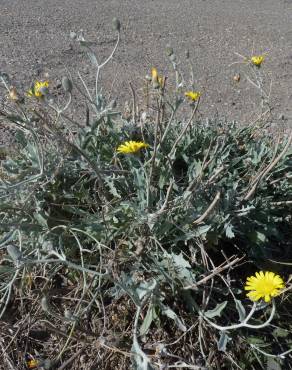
(223, 340)
(150, 316)
(240, 309)
(167, 311)
(216, 311)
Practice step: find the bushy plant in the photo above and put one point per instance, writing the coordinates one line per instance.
(128, 237)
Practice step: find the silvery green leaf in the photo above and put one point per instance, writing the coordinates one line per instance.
(241, 310)
(113, 190)
(187, 194)
(47, 245)
(180, 261)
(99, 101)
(89, 52)
(281, 332)
(261, 305)
(200, 231)
(150, 316)
(140, 360)
(41, 220)
(178, 265)
(273, 364)
(229, 231)
(167, 311)
(14, 252)
(216, 311)
(6, 269)
(92, 58)
(145, 288)
(223, 340)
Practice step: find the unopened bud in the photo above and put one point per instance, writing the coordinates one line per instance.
(67, 84)
(44, 90)
(4, 76)
(116, 24)
(13, 94)
(73, 35)
(169, 50)
(172, 57)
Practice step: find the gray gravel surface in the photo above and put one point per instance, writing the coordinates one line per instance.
(35, 40)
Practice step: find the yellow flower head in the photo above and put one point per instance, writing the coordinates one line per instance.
(157, 81)
(264, 285)
(154, 74)
(36, 89)
(131, 147)
(257, 60)
(193, 95)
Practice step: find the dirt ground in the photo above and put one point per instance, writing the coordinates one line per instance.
(35, 40)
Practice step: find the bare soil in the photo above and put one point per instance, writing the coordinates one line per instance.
(35, 40)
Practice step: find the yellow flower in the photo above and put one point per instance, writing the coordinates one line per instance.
(257, 60)
(154, 74)
(160, 81)
(36, 89)
(193, 95)
(157, 81)
(264, 285)
(131, 147)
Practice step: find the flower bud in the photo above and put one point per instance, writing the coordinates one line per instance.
(67, 84)
(73, 35)
(172, 57)
(13, 94)
(116, 24)
(169, 50)
(4, 76)
(44, 91)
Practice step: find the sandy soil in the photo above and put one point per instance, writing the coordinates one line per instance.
(35, 40)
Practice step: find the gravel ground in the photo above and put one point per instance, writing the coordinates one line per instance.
(35, 40)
